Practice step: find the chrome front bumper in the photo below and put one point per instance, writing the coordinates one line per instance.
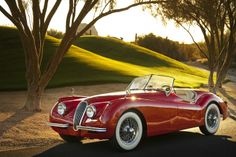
(88, 128)
(58, 125)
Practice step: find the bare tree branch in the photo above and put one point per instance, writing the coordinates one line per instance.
(50, 15)
(221, 52)
(15, 12)
(74, 10)
(10, 17)
(105, 6)
(22, 9)
(36, 25)
(44, 11)
(69, 14)
(190, 34)
(42, 34)
(88, 5)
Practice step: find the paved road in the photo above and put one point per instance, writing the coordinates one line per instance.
(183, 143)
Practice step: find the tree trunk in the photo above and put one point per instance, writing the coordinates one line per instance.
(223, 71)
(211, 86)
(33, 99)
(219, 81)
(33, 74)
(219, 76)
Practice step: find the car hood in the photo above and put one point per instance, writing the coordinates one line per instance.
(106, 97)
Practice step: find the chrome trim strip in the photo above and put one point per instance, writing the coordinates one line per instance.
(89, 128)
(105, 102)
(58, 125)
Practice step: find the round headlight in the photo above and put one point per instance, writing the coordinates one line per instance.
(61, 108)
(90, 111)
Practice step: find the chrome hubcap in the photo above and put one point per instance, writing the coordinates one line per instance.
(212, 118)
(128, 130)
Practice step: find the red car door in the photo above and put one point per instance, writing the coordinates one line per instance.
(188, 113)
(161, 113)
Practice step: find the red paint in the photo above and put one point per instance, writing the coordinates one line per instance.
(162, 114)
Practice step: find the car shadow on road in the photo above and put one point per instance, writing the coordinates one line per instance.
(175, 144)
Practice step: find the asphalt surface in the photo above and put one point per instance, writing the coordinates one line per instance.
(181, 143)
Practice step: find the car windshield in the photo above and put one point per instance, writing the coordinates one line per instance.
(151, 82)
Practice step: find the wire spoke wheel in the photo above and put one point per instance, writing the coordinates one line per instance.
(212, 120)
(129, 130)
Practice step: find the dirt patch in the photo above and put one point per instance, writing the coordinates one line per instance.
(20, 129)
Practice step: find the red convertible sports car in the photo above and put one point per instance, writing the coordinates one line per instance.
(149, 106)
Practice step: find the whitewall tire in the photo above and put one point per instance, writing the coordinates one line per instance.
(211, 120)
(128, 132)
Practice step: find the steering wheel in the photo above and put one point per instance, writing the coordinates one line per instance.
(166, 89)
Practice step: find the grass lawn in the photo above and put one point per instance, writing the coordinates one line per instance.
(93, 60)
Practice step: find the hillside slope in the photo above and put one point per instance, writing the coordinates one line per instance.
(105, 60)
(136, 55)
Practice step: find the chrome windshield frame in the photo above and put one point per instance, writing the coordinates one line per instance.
(148, 80)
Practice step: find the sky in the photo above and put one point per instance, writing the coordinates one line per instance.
(124, 24)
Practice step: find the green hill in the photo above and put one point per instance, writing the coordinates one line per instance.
(104, 60)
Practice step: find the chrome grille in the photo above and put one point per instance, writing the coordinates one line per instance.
(79, 112)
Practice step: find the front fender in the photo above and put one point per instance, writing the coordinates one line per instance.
(114, 111)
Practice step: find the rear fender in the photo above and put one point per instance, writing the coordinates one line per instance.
(209, 98)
